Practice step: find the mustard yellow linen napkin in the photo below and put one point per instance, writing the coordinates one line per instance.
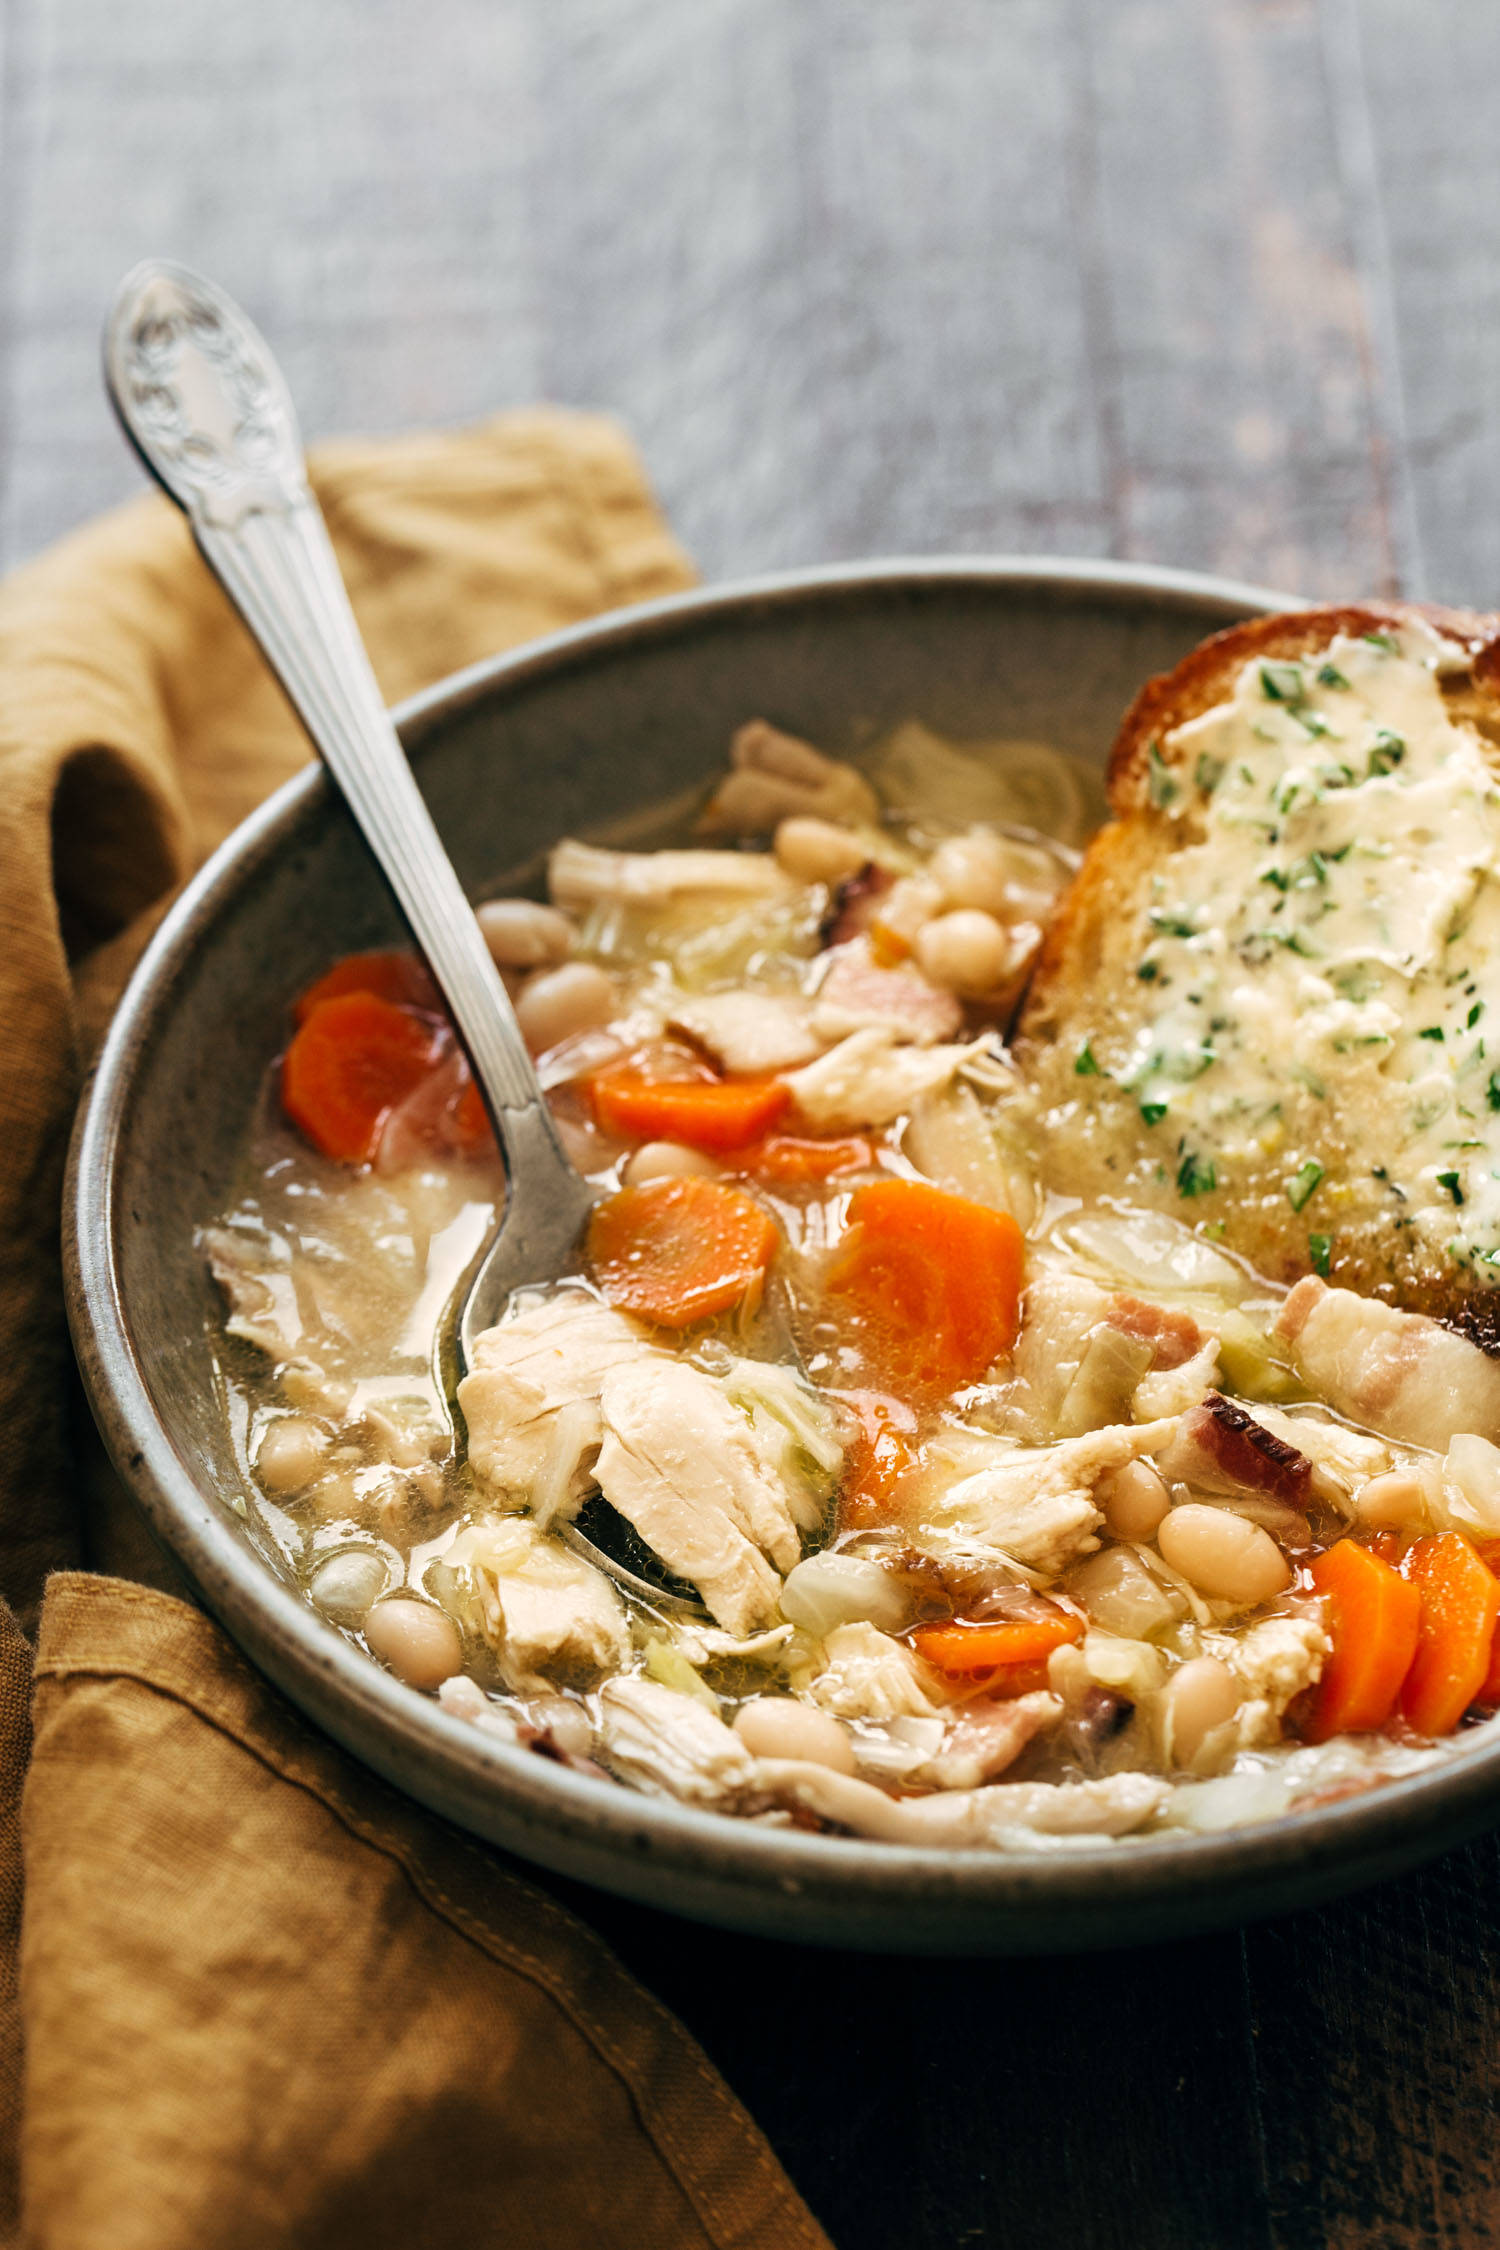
(261, 1998)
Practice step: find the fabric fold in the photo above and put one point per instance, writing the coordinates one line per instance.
(268, 2000)
(263, 1999)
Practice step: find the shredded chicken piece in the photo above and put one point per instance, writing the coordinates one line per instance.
(262, 1297)
(868, 1079)
(776, 775)
(754, 1032)
(671, 1743)
(1009, 1812)
(679, 1461)
(1402, 1373)
(857, 994)
(531, 1399)
(1178, 1387)
(1276, 1660)
(868, 1675)
(709, 1644)
(583, 875)
(542, 1608)
(1032, 1505)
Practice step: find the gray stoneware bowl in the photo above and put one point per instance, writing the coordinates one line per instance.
(582, 731)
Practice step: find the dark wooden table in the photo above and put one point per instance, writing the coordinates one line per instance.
(1209, 282)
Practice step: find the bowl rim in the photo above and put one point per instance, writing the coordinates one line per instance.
(318, 1668)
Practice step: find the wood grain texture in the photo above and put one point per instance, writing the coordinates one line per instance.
(1209, 282)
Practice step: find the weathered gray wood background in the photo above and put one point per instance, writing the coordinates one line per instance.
(1211, 282)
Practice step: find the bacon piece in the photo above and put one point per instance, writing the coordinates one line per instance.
(1174, 1336)
(1219, 1447)
(853, 905)
(857, 994)
(1402, 1373)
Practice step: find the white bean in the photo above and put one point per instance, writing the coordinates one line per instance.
(1135, 1500)
(777, 1726)
(973, 870)
(558, 1003)
(522, 933)
(1200, 1696)
(966, 951)
(1222, 1555)
(815, 851)
(418, 1641)
(346, 1585)
(667, 1160)
(1392, 1502)
(290, 1454)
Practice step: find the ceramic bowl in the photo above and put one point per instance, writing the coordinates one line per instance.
(580, 731)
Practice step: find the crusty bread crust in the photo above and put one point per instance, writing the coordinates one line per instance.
(1085, 976)
(1207, 676)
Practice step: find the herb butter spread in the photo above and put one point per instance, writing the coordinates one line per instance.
(1309, 1012)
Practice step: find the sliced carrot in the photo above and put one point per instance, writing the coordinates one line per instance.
(1006, 1658)
(932, 1282)
(789, 1160)
(877, 1458)
(348, 1066)
(1460, 1604)
(472, 1130)
(715, 1115)
(398, 977)
(676, 1251)
(1489, 1686)
(1373, 1616)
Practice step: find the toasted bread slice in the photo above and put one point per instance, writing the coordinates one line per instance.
(1271, 1001)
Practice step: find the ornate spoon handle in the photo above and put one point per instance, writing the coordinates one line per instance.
(204, 404)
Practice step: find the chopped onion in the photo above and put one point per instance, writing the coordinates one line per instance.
(1154, 1252)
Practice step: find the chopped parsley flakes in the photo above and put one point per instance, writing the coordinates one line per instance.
(1303, 1183)
(1161, 785)
(1282, 683)
(1196, 1175)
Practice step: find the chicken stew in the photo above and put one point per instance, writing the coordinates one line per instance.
(953, 1509)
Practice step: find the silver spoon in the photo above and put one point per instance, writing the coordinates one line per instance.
(207, 409)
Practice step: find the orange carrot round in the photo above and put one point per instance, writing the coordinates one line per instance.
(679, 1250)
(350, 1063)
(790, 1160)
(876, 1459)
(715, 1115)
(1460, 1603)
(398, 977)
(932, 1281)
(1372, 1615)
